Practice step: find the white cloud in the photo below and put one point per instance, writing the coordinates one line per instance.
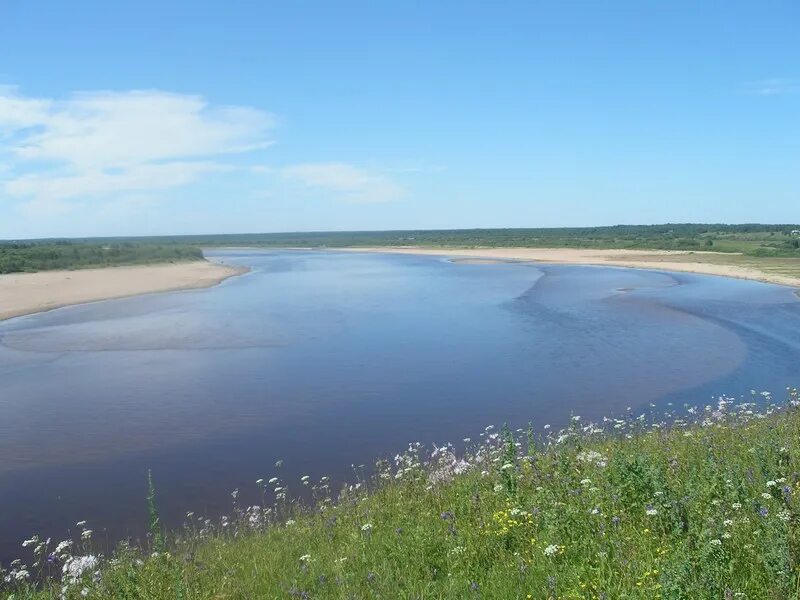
(346, 181)
(103, 143)
(773, 87)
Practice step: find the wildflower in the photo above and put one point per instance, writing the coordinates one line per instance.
(766, 496)
(290, 522)
(770, 484)
(736, 506)
(305, 558)
(273, 480)
(651, 512)
(75, 567)
(785, 516)
(727, 522)
(259, 481)
(80, 523)
(366, 527)
(716, 542)
(552, 550)
(86, 535)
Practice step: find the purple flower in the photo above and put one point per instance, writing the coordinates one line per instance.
(763, 511)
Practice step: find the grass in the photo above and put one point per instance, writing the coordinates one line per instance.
(703, 504)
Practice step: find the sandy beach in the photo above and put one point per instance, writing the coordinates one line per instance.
(27, 293)
(708, 263)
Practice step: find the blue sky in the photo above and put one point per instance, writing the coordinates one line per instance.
(149, 117)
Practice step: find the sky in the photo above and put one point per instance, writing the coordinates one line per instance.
(178, 117)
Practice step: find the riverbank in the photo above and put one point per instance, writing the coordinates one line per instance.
(28, 293)
(702, 504)
(782, 271)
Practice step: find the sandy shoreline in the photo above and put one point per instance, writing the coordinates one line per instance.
(28, 293)
(659, 260)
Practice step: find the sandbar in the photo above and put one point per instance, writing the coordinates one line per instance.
(28, 293)
(708, 263)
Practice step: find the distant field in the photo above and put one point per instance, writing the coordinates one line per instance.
(769, 247)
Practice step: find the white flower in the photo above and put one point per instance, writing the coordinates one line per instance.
(726, 535)
(498, 488)
(86, 534)
(586, 481)
(551, 550)
(785, 516)
(770, 484)
(273, 480)
(305, 558)
(736, 506)
(366, 527)
(63, 546)
(80, 523)
(259, 481)
(76, 566)
(651, 512)
(290, 522)
(30, 542)
(766, 496)
(716, 542)
(727, 522)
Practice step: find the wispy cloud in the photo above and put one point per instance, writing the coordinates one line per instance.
(99, 143)
(345, 181)
(774, 86)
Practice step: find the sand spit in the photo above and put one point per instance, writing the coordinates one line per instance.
(660, 260)
(27, 293)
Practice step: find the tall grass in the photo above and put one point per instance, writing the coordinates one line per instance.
(704, 504)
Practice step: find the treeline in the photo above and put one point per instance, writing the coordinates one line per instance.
(19, 257)
(753, 239)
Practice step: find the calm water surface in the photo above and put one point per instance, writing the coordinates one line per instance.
(326, 359)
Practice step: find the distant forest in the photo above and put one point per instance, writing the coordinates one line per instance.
(749, 239)
(29, 256)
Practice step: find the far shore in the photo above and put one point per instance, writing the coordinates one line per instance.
(28, 293)
(707, 263)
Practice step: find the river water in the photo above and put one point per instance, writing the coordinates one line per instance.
(329, 359)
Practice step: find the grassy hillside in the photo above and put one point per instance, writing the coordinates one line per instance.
(705, 504)
(18, 257)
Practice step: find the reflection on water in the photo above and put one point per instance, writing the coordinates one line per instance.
(332, 359)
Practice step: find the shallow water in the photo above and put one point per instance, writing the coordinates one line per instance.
(327, 359)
